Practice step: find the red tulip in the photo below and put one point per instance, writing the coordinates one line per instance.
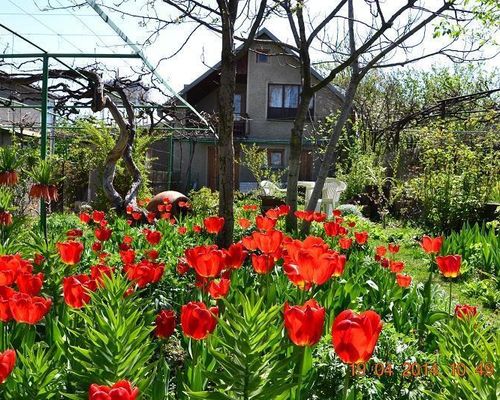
(213, 224)
(337, 213)
(197, 320)
(98, 216)
(307, 216)
(70, 252)
(197, 228)
(127, 256)
(396, 266)
(6, 218)
(393, 248)
(464, 311)
(76, 290)
(121, 390)
(5, 294)
(361, 237)
(28, 309)
(354, 336)
(85, 217)
(102, 234)
(153, 237)
(207, 261)
(265, 223)
(219, 289)
(72, 234)
(165, 324)
(304, 324)
(268, 242)
(263, 263)
(250, 207)
(245, 223)
(7, 363)
(345, 243)
(331, 228)
(150, 216)
(182, 230)
(380, 251)
(403, 280)
(152, 254)
(96, 246)
(449, 265)
(144, 272)
(38, 259)
(234, 256)
(249, 243)
(431, 245)
(29, 283)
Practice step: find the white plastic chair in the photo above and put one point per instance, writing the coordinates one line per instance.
(332, 190)
(270, 188)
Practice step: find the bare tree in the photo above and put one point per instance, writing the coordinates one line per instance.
(87, 87)
(359, 46)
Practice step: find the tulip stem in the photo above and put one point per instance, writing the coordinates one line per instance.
(301, 355)
(449, 303)
(346, 385)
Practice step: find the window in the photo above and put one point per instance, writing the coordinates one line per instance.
(262, 56)
(283, 101)
(237, 106)
(275, 157)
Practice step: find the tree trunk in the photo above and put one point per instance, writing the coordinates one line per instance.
(225, 142)
(294, 159)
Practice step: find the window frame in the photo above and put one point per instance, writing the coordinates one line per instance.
(286, 113)
(269, 158)
(262, 52)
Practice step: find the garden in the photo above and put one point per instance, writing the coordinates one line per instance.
(122, 277)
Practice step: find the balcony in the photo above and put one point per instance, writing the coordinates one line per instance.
(240, 128)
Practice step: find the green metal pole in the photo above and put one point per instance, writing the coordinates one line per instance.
(170, 161)
(43, 135)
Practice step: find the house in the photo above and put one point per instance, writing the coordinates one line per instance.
(265, 103)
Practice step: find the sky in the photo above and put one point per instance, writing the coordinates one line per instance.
(82, 30)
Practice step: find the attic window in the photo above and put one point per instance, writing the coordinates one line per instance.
(262, 56)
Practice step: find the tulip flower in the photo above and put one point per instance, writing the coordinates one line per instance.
(30, 284)
(153, 237)
(207, 261)
(198, 321)
(262, 263)
(345, 243)
(331, 228)
(465, 311)
(103, 234)
(403, 280)
(182, 230)
(96, 246)
(396, 266)
(98, 216)
(70, 252)
(213, 224)
(76, 290)
(361, 237)
(250, 207)
(431, 245)
(5, 294)
(152, 254)
(337, 213)
(354, 336)
(393, 248)
(85, 217)
(28, 309)
(304, 324)
(268, 242)
(7, 363)
(234, 256)
(219, 288)
(245, 223)
(265, 223)
(380, 251)
(97, 272)
(449, 265)
(127, 256)
(121, 390)
(144, 272)
(165, 324)
(197, 228)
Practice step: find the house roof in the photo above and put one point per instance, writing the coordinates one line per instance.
(262, 32)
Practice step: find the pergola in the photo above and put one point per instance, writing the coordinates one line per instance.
(68, 37)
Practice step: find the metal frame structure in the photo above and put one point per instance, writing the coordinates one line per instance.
(59, 57)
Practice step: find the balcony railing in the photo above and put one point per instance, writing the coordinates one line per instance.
(240, 128)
